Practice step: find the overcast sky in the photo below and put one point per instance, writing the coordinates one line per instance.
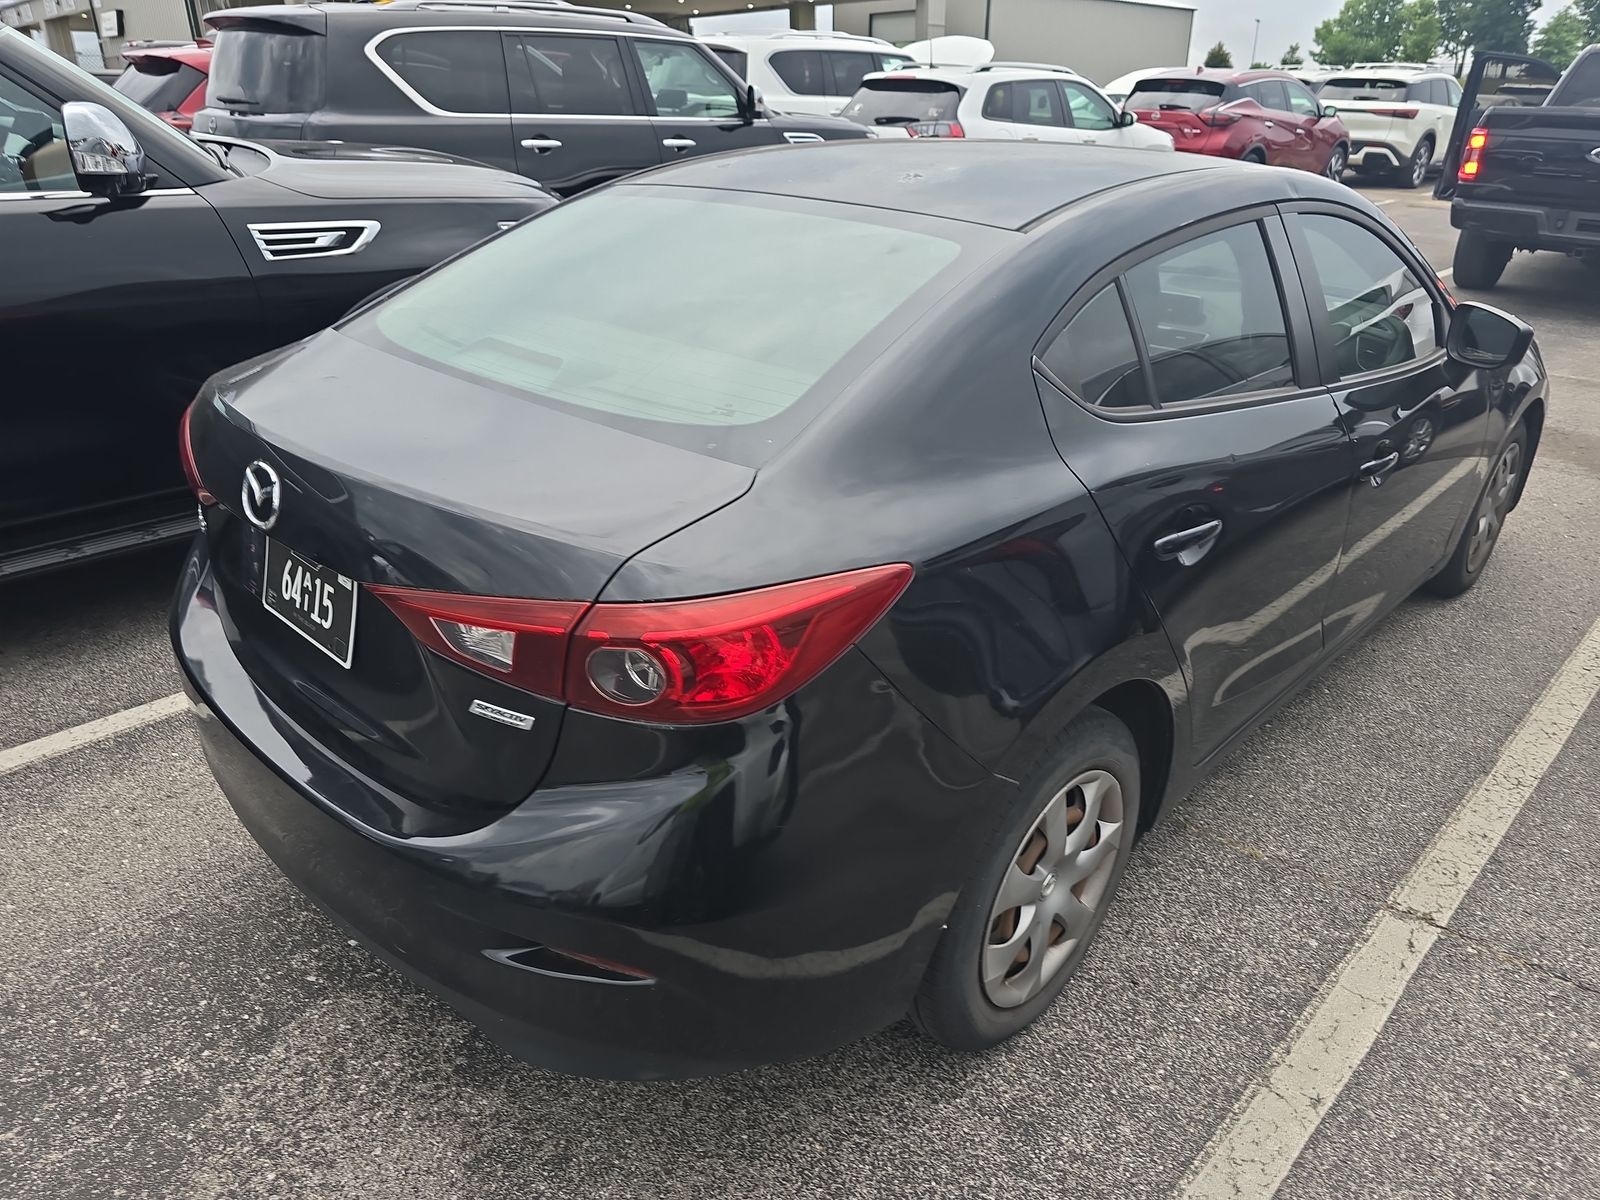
(1233, 22)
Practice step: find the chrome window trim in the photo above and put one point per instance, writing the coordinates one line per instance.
(74, 195)
(427, 106)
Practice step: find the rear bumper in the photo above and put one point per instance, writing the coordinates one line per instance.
(1377, 154)
(1529, 227)
(778, 913)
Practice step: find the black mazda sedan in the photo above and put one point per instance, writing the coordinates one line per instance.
(766, 598)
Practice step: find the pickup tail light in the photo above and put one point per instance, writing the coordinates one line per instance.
(675, 662)
(186, 457)
(1403, 114)
(936, 129)
(1472, 155)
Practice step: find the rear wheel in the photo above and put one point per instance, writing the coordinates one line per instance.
(1482, 533)
(1414, 170)
(1027, 916)
(1337, 162)
(1479, 261)
(1254, 155)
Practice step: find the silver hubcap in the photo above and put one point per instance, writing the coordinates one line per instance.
(1419, 163)
(1055, 883)
(1492, 509)
(1336, 165)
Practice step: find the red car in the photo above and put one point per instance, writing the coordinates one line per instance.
(167, 79)
(1258, 116)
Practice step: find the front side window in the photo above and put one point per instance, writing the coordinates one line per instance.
(568, 76)
(1381, 315)
(458, 70)
(801, 71)
(1096, 358)
(1301, 101)
(33, 144)
(1211, 318)
(682, 81)
(1088, 110)
(1038, 103)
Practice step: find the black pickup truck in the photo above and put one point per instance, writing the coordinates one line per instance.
(1522, 169)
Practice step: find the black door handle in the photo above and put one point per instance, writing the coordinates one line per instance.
(1375, 471)
(1188, 546)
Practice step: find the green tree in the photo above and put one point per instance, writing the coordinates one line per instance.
(1419, 31)
(1453, 29)
(1589, 10)
(1562, 37)
(1218, 56)
(1362, 31)
(1500, 24)
(1293, 58)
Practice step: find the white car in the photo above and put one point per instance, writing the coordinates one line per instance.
(1027, 102)
(804, 71)
(1120, 88)
(1399, 118)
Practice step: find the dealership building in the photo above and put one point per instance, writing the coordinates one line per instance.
(1100, 38)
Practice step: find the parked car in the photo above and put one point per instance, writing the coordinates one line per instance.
(168, 80)
(569, 96)
(1028, 102)
(673, 690)
(1520, 175)
(137, 263)
(1399, 120)
(1257, 116)
(1120, 88)
(806, 71)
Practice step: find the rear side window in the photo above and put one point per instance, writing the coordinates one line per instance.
(1038, 102)
(1211, 318)
(568, 76)
(1381, 315)
(159, 85)
(266, 69)
(1192, 95)
(1269, 93)
(1096, 358)
(903, 102)
(847, 68)
(997, 104)
(801, 71)
(458, 70)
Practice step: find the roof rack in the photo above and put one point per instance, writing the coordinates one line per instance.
(566, 6)
(819, 33)
(1025, 66)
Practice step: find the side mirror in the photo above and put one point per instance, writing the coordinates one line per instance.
(106, 157)
(1328, 110)
(1486, 338)
(1125, 118)
(752, 104)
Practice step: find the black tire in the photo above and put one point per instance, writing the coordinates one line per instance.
(1476, 543)
(1254, 155)
(1479, 261)
(1411, 173)
(955, 1005)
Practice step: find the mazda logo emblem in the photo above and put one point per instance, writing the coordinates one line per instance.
(261, 494)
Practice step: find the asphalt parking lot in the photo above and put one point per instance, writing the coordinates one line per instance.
(177, 1021)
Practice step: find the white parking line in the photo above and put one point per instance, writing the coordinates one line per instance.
(1447, 272)
(1383, 203)
(1253, 1151)
(68, 740)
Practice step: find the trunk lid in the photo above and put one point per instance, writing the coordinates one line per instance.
(267, 74)
(422, 480)
(1175, 106)
(1548, 157)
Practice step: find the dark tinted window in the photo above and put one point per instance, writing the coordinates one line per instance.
(1087, 110)
(1381, 314)
(1356, 87)
(997, 104)
(903, 102)
(1038, 102)
(1581, 87)
(458, 70)
(801, 71)
(683, 82)
(848, 67)
(577, 76)
(738, 61)
(266, 70)
(159, 85)
(1211, 318)
(1269, 93)
(33, 147)
(1095, 355)
(1191, 94)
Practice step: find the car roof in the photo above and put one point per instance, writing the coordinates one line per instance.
(993, 70)
(1008, 185)
(798, 39)
(441, 12)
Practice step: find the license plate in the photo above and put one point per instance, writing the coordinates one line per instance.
(318, 604)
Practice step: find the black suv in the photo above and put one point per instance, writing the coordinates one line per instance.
(134, 263)
(572, 97)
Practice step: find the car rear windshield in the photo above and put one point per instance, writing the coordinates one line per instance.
(159, 85)
(1192, 95)
(266, 70)
(1362, 88)
(719, 322)
(903, 102)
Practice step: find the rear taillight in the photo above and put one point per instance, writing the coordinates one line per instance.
(1218, 117)
(1403, 114)
(936, 129)
(1472, 155)
(186, 456)
(670, 662)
